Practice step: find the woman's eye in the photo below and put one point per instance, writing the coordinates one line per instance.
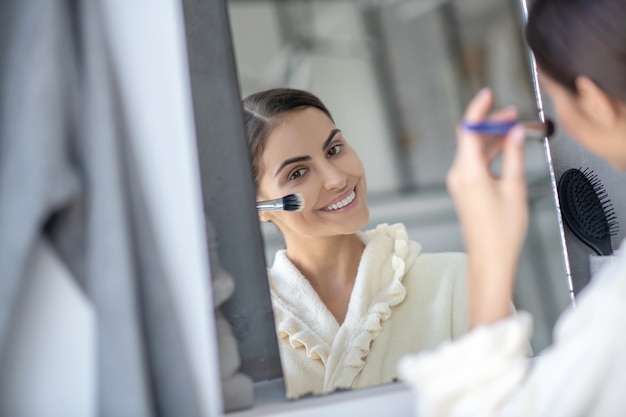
(297, 173)
(335, 150)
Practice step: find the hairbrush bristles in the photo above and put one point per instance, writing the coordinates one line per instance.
(291, 202)
(587, 209)
(609, 224)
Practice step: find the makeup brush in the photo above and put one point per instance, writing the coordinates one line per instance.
(291, 202)
(544, 129)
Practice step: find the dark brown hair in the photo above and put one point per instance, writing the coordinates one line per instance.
(580, 37)
(261, 112)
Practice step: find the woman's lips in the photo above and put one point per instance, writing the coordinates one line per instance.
(343, 203)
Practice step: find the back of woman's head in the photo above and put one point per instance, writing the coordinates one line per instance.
(263, 110)
(580, 37)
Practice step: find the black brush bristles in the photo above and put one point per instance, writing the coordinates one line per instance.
(291, 202)
(587, 209)
(550, 128)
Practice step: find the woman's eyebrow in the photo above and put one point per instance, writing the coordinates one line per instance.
(291, 161)
(330, 137)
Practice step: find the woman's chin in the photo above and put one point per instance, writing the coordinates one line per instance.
(363, 219)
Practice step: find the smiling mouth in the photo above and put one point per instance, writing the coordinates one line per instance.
(349, 199)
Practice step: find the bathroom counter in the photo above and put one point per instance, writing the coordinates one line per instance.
(390, 400)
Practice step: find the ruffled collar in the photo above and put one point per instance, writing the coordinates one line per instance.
(378, 287)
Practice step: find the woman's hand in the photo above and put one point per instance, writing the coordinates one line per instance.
(492, 210)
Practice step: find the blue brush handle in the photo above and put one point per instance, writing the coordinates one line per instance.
(489, 128)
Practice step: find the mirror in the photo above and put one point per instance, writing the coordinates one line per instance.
(396, 75)
(564, 154)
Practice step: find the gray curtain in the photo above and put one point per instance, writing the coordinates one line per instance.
(99, 194)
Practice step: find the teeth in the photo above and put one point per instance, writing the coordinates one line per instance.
(349, 199)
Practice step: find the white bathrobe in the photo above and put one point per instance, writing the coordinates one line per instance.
(403, 301)
(487, 372)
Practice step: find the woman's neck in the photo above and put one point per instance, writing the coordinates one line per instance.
(324, 259)
(330, 265)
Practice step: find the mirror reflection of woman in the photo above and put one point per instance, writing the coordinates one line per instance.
(580, 50)
(347, 303)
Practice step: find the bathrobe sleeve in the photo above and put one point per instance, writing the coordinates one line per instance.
(487, 372)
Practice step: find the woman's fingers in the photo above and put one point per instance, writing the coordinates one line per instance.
(492, 148)
(513, 156)
(505, 114)
(470, 144)
(476, 152)
(478, 110)
(479, 106)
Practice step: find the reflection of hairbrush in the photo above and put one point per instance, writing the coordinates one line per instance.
(587, 210)
(291, 202)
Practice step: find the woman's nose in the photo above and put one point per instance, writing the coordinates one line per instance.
(334, 177)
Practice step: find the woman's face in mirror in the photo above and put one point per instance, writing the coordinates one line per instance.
(404, 131)
(305, 153)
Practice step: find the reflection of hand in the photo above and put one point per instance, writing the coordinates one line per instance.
(492, 210)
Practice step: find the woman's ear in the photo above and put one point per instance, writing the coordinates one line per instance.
(599, 106)
(265, 216)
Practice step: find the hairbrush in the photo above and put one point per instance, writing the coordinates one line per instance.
(587, 209)
(291, 202)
